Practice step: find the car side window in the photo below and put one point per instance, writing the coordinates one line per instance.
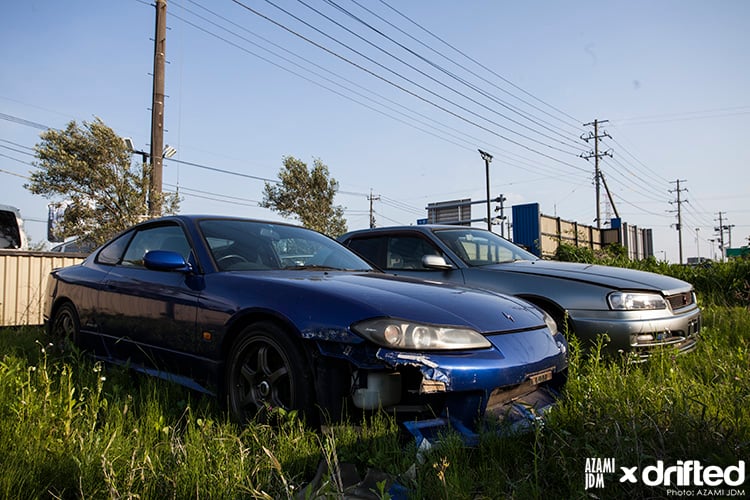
(406, 252)
(372, 249)
(112, 253)
(168, 237)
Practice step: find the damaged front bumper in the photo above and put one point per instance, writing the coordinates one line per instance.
(515, 379)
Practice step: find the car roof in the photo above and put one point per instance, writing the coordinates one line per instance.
(424, 228)
(200, 217)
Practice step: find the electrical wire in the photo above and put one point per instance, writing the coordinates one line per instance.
(479, 64)
(443, 70)
(430, 132)
(400, 87)
(500, 151)
(430, 77)
(22, 121)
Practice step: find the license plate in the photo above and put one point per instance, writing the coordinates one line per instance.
(539, 377)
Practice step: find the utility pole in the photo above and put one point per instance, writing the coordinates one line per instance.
(487, 159)
(372, 213)
(679, 202)
(157, 110)
(501, 199)
(596, 155)
(720, 229)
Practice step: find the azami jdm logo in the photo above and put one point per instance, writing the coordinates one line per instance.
(686, 473)
(595, 470)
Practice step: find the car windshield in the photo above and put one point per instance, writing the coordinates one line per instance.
(481, 248)
(239, 245)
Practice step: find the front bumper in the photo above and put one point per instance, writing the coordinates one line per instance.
(638, 333)
(467, 385)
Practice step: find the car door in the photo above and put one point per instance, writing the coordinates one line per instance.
(149, 316)
(402, 253)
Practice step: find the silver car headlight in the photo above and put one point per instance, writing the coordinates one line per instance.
(551, 323)
(636, 301)
(408, 335)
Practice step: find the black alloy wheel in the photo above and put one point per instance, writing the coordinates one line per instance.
(265, 371)
(66, 326)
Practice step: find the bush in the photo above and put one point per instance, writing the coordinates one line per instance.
(716, 283)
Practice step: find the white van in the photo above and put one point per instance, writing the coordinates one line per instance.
(12, 235)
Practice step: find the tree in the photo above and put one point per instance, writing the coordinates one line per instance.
(89, 169)
(307, 196)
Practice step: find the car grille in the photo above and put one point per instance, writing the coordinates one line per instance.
(680, 300)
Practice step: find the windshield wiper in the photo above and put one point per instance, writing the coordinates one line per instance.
(311, 267)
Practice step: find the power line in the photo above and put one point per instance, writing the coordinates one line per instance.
(639, 165)
(13, 173)
(223, 171)
(468, 146)
(206, 195)
(439, 68)
(393, 72)
(686, 115)
(453, 61)
(16, 150)
(489, 70)
(399, 87)
(433, 133)
(22, 121)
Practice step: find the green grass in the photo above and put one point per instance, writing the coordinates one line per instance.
(72, 428)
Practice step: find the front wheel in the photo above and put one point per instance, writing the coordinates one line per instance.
(66, 326)
(266, 370)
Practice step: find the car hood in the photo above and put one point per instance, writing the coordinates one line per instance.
(611, 277)
(343, 298)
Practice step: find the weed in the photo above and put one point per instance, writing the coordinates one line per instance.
(76, 428)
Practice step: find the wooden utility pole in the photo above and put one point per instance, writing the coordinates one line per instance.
(157, 110)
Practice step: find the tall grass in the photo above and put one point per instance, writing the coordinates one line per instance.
(692, 407)
(72, 428)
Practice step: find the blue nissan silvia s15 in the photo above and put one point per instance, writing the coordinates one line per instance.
(268, 315)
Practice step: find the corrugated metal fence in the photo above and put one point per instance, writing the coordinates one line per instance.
(23, 281)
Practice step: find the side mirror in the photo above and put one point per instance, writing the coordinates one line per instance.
(163, 260)
(435, 262)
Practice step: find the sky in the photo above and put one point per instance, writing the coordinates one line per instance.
(396, 98)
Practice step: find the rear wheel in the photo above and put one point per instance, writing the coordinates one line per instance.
(66, 326)
(266, 370)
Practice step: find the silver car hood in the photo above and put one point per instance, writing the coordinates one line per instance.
(612, 277)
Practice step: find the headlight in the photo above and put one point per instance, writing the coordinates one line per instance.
(401, 334)
(551, 323)
(634, 301)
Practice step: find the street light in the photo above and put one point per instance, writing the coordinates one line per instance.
(487, 159)
(131, 147)
(168, 152)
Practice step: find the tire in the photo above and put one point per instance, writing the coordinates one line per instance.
(266, 370)
(66, 327)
